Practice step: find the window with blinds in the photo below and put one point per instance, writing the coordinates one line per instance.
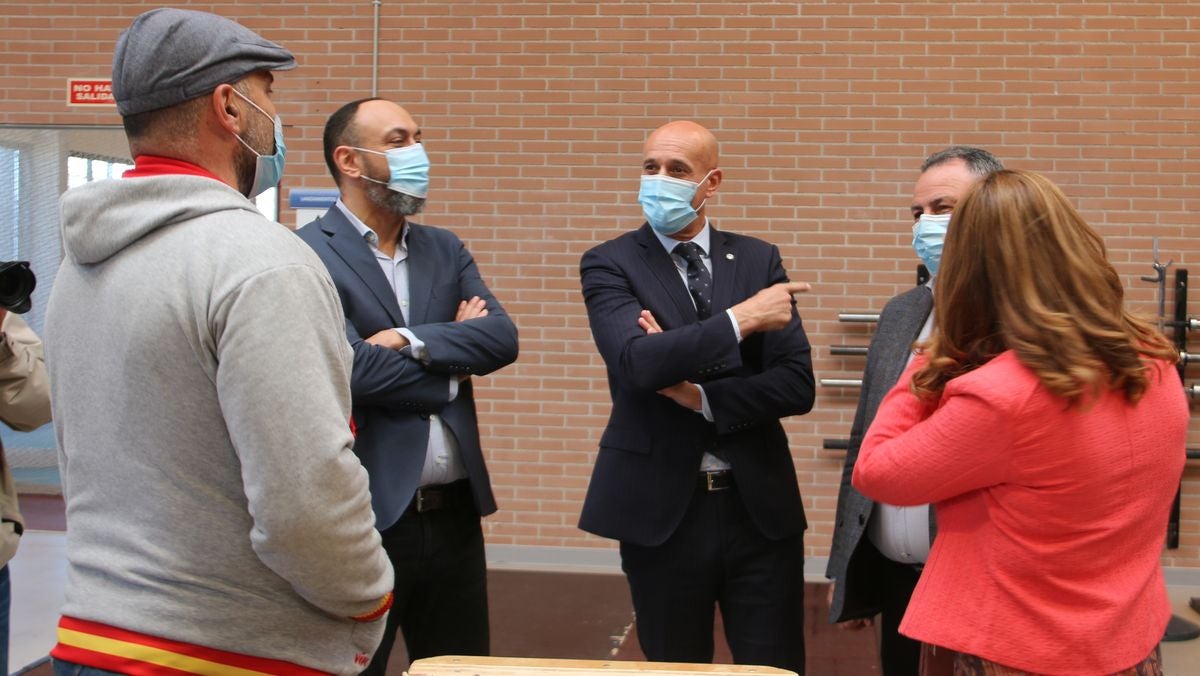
(36, 166)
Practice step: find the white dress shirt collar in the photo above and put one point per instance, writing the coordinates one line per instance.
(370, 235)
(702, 239)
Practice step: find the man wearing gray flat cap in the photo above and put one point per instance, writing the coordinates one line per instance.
(200, 388)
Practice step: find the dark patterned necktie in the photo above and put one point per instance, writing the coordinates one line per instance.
(699, 281)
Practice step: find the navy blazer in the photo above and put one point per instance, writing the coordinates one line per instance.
(647, 468)
(394, 394)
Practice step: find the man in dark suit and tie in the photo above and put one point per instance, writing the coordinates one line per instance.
(877, 574)
(705, 353)
(422, 323)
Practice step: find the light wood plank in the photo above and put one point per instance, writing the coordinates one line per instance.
(452, 665)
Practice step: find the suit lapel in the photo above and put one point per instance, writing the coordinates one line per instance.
(354, 250)
(724, 262)
(420, 274)
(903, 332)
(660, 263)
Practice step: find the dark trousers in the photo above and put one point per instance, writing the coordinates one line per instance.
(5, 604)
(898, 654)
(62, 668)
(717, 557)
(441, 582)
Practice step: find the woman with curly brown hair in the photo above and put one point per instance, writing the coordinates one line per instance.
(1048, 426)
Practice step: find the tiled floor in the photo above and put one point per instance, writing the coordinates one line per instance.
(1183, 657)
(534, 614)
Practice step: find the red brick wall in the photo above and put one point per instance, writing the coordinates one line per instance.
(534, 114)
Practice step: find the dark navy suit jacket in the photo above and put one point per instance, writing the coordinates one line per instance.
(647, 468)
(394, 394)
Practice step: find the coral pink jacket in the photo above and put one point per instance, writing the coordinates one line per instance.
(1050, 520)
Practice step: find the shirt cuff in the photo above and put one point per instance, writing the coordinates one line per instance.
(453, 388)
(733, 320)
(418, 346)
(704, 408)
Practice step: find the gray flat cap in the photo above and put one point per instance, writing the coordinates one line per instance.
(169, 56)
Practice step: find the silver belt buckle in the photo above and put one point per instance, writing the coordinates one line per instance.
(420, 501)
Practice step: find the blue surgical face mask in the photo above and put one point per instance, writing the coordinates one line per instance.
(408, 169)
(667, 202)
(269, 168)
(929, 234)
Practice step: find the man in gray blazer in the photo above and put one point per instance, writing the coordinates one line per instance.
(877, 574)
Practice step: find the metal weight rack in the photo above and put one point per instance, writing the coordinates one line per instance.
(857, 351)
(1177, 325)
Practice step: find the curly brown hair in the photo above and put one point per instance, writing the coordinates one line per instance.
(1023, 271)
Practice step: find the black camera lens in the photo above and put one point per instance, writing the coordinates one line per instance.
(16, 285)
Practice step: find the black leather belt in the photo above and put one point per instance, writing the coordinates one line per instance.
(718, 480)
(444, 496)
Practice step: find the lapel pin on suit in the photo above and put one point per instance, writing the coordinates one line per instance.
(728, 256)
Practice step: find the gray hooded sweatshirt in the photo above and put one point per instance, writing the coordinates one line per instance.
(200, 372)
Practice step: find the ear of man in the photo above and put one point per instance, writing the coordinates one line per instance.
(348, 161)
(226, 114)
(713, 182)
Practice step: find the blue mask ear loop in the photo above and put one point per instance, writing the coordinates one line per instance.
(268, 169)
(278, 126)
(700, 185)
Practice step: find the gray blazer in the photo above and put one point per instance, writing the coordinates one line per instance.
(853, 566)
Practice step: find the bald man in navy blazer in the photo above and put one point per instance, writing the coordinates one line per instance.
(705, 353)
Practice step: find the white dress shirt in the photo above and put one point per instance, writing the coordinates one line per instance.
(902, 533)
